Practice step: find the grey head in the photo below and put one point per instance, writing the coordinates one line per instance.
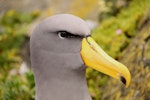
(55, 56)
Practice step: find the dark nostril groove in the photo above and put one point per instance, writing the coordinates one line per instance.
(123, 80)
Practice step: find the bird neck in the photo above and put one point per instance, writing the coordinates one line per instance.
(62, 88)
(58, 80)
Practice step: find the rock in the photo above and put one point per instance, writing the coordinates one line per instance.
(23, 5)
(24, 68)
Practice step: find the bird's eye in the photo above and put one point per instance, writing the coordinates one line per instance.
(64, 34)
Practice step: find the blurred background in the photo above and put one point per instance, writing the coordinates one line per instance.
(120, 27)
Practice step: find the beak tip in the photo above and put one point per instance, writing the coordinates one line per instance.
(123, 80)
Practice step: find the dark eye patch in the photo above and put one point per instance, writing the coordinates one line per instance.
(64, 34)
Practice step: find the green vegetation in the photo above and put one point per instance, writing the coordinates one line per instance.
(115, 32)
(13, 86)
(83, 8)
(113, 35)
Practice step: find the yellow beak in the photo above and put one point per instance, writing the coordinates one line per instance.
(94, 57)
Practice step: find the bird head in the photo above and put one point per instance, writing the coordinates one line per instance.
(69, 35)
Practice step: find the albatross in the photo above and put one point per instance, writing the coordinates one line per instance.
(61, 49)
